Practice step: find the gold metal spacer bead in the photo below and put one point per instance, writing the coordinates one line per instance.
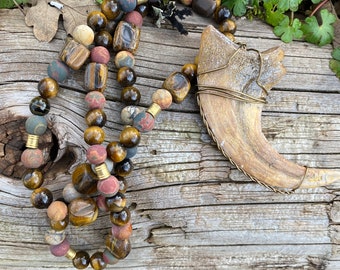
(139, 2)
(102, 171)
(71, 253)
(32, 141)
(154, 109)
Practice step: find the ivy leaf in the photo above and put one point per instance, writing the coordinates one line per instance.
(238, 7)
(292, 5)
(335, 67)
(10, 3)
(288, 31)
(319, 34)
(336, 53)
(272, 15)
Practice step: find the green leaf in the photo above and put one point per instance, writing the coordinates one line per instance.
(238, 7)
(335, 67)
(10, 3)
(316, 1)
(288, 32)
(336, 53)
(285, 5)
(272, 15)
(319, 34)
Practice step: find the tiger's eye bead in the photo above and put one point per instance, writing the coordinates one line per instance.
(110, 9)
(81, 260)
(126, 76)
(120, 218)
(84, 179)
(124, 168)
(190, 70)
(94, 135)
(124, 59)
(96, 20)
(119, 248)
(126, 37)
(32, 158)
(204, 7)
(222, 13)
(83, 34)
(95, 100)
(97, 262)
(32, 178)
(57, 211)
(109, 258)
(74, 54)
(142, 9)
(129, 113)
(129, 137)
(39, 106)
(135, 18)
(36, 125)
(227, 25)
(41, 198)
(100, 54)
(127, 5)
(61, 249)
(178, 85)
(82, 211)
(108, 187)
(130, 95)
(144, 122)
(48, 87)
(122, 232)
(186, 2)
(96, 154)
(116, 203)
(103, 38)
(95, 77)
(116, 151)
(229, 35)
(163, 98)
(112, 25)
(58, 71)
(53, 237)
(122, 184)
(95, 117)
(59, 225)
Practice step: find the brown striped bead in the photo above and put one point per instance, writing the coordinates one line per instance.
(116, 151)
(48, 88)
(96, 117)
(74, 54)
(126, 37)
(97, 261)
(119, 248)
(84, 179)
(94, 135)
(178, 85)
(95, 77)
(32, 178)
(82, 211)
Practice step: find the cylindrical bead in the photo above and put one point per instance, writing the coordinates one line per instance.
(154, 109)
(102, 171)
(179, 86)
(126, 37)
(95, 77)
(32, 141)
(71, 253)
(109, 258)
(74, 54)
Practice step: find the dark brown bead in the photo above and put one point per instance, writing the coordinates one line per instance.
(96, 20)
(143, 10)
(32, 178)
(82, 211)
(222, 13)
(124, 168)
(227, 26)
(84, 179)
(178, 85)
(95, 77)
(190, 70)
(204, 7)
(122, 184)
(129, 136)
(116, 203)
(120, 218)
(95, 117)
(41, 198)
(116, 151)
(97, 261)
(130, 95)
(126, 76)
(126, 37)
(94, 135)
(74, 54)
(48, 88)
(81, 260)
(59, 225)
(39, 106)
(119, 248)
(111, 27)
(110, 9)
(103, 38)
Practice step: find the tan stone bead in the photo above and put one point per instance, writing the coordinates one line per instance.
(83, 34)
(57, 211)
(163, 98)
(179, 86)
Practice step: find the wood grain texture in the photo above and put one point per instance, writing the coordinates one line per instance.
(192, 209)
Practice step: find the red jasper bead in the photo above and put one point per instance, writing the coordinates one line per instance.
(32, 158)
(122, 232)
(61, 249)
(96, 154)
(95, 100)
(135, 18)
(144, 122)
(100, 55)
(109, 186)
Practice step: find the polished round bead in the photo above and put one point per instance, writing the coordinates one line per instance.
(120, 218)
(61, 249)
(96, 154)
(95, 117)
(84, 179)
(129, 113)
(95, 100)
(94, 135)
(81, 260)
(48, 88)
(96, 20)
(39, 106)
(189, 70)
(57, 211)
(97, 261)
(186, 2)
(100, 54)
(112, 25)
(227, 25)
(58, 71)
(108, 187)
(116, 203)
(131, 152)
(53, 237)
(127, 5)
(130, 95)
(222, 13)
(82, 211)
(144, 122)
(126, 76)
(110, 9)
(204, 7)
(124, 168)
(83, 34)
(70, 193)
(36, 125)
(230, 36)
(109, 258)
(135, 18)
(32, 158)
(116, 151)
(143, 9)
(119, 248)
(32, 178)
(122, 232)
(101, 204)
(41, 198)
(103, 38)
(163, 98)
(129, 136)
(124, 59)
(59, 225)
(122, 184)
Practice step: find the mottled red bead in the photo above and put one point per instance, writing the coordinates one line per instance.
(100, 54)
(32, 158)
(135, 18)
(101, 204)
(122, 232)
(96, 154)
(61, 249)
(95, 100)
(109, 186)
(144, 122)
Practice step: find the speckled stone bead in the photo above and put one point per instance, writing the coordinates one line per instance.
(94, 135)
(95, 117)
(120, 218)
(61, 249)
(116, 203)
(126, 76)
(59, 225)
(163, 98)
(36, 125)
(190, 70)
(84, 179)
(53, 237)
(204, 7)
(178, 85)
(124, 168)
(103, 38)
(81, 260)
(119, 248)
(227, 26)
(110, 9)
(126, 37)
(97, 262)
(124, 59)
(57, 211)
(109, 258)
(95, 77)
(108, 187)
(96, 154)
(70, 193)
(74, 54)
(41, 198)
(131, 152)
(129, 136)
(100, 54)
(96, 20)
(39, 106)
(129, 113)
(130, 95)
(83, 34)
(95, 100)
(32, 158)
(58, 71)
(122, 232)
(101, 204)
(127, 5)
(32, 178)
(144, 122)
(135, 18)
(82, 211)
(116, 151)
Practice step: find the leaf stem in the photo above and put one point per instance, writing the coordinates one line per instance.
(291, 19)
(19, 7)
(318, 7)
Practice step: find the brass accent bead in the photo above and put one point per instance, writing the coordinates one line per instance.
(32, 141)
(71, 253)
(154, 109)
(139, 2)
(102, 171)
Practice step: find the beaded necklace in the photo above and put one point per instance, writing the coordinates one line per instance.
(99, 183)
